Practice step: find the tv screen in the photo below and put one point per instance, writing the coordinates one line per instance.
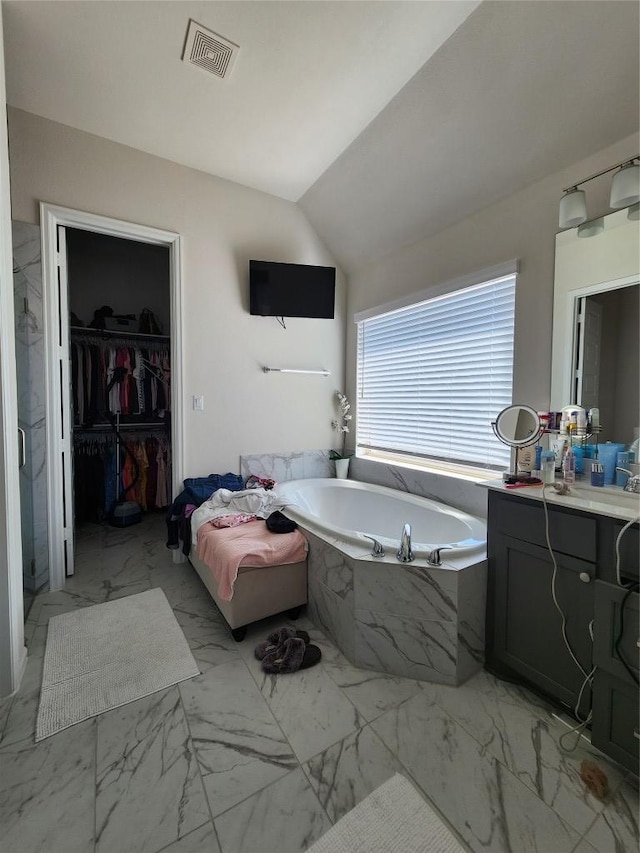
(291, 290)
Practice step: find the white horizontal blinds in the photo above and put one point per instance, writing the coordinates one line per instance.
(432, 376)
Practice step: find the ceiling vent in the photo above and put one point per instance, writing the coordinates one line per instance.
(209, 51)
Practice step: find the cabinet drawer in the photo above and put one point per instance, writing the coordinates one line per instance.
(608, 614)
(569, 533)
(615, 719)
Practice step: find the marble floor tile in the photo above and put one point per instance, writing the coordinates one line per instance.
(23, 710)
(149, 791)
(239, 745)
(347, 772)
(520, 731)
(371, 692)
(491, 809)
(310, 708)
(616, 829)
(5, 707)
(201, 840)
(285, 817)
(47, 793)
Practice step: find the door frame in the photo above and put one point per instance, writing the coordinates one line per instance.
(56, 336)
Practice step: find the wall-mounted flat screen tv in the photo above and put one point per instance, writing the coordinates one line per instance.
(291, 290)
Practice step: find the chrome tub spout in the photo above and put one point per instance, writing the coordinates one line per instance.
(405, 554)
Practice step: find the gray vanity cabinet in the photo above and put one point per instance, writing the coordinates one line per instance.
(527, 628)
(524, 629)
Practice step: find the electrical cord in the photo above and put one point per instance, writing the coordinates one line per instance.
(588, 676)
(633, 588)
(618, 538)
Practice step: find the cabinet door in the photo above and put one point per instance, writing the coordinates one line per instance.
(615, 627)
(615, 719)
(527, 628)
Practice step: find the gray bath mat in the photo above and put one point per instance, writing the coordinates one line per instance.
(104, 656)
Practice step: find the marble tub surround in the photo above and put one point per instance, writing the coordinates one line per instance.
(237, 761)
(282, 467)
(409, 620)
(452, 491)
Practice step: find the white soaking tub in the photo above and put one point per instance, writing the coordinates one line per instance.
(352, 511)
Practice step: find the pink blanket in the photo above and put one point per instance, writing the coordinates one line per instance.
(224, 551)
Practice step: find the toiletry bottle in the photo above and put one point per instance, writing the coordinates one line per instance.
(597, 473)
(569, 466)
(558, 446)
(594, 420)
(536, 464)
(525, 459)
(578, 452)
(548, 466)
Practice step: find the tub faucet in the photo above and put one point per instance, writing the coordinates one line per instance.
(377, 550)
(405, 554)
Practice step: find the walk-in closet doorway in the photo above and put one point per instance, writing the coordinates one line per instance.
(149, 411)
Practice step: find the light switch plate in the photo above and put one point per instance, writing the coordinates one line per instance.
(198, 403)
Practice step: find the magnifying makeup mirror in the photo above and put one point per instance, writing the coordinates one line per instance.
(518, 426)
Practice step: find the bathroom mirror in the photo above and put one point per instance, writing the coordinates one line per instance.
(517, 426)
(596, 353)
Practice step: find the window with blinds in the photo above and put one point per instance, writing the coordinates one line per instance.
(433, 375)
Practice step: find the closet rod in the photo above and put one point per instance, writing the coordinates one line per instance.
(109, 334)
(108, 427)
(295, 370)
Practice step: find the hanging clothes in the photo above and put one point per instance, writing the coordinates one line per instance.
(96, 484)
(143, 389)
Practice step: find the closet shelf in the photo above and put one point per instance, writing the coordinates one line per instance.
(109, 334)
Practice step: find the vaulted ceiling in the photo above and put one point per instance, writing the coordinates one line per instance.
(387, 120)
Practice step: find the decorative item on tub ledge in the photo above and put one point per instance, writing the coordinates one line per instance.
(341, 425)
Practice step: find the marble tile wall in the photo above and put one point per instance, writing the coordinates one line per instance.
(460, 494)
(288, 466)
(27, 279)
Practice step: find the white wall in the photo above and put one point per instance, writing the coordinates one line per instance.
(223, 225)
(522, 226)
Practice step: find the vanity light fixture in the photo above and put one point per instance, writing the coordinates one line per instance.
(590, 229)
(625, 192)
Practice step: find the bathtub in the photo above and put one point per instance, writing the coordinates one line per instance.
(352, 511)
(413, 619)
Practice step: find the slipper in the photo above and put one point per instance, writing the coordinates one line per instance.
(278, 636)
(293, 655)
(276, 639)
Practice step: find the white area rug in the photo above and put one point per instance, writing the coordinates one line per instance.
(392, 819)
(101, 657)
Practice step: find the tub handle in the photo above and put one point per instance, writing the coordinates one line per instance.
(377, 550)
(434, 556)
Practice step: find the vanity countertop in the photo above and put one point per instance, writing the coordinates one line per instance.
(609, 501)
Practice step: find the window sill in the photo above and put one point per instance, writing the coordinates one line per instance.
(431, 466)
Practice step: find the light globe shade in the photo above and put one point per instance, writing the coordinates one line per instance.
(573, 209)
(592, 228)
(625, 187)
